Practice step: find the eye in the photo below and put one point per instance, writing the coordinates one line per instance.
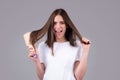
(55, 23)
(62, 22)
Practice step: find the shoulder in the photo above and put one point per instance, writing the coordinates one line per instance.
(78, 42)
(42, 44)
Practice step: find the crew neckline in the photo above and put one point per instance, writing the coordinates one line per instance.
(62, 42)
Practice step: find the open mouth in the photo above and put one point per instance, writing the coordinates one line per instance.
(58, 32)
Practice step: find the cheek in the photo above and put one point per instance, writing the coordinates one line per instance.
(53, 27)
(64, 29)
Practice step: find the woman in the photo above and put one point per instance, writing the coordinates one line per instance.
(63, 56)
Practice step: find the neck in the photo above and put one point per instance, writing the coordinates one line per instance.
(60, 40)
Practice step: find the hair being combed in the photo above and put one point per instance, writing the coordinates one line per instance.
(71, 32)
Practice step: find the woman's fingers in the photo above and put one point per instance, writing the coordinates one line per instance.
(33, 54)
(86, 41)
(31, 48)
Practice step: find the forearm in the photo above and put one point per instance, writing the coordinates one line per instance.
(39, 70)
(81, 68)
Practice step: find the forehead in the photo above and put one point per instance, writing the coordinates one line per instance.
(58, 18)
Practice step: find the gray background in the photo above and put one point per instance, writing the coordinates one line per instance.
(98, 20)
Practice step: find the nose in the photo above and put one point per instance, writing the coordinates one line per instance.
(57, 26)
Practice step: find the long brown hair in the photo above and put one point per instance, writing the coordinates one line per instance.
(71, 32)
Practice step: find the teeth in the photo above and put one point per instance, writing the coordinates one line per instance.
(59, 31)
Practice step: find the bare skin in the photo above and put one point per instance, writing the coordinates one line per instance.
(60, 29)
(80, 66)
(40, 68)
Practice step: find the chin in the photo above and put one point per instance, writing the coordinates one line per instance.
(59, 37)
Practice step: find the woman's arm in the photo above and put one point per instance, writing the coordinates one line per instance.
(80, 67)
(33, 55)
(40, 68)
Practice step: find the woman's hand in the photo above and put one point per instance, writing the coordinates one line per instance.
(40, 68)
(86, 46)
(33, 54)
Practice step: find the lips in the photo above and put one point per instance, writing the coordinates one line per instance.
(58, 32)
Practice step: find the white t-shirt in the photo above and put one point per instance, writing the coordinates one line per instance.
(60, 66)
